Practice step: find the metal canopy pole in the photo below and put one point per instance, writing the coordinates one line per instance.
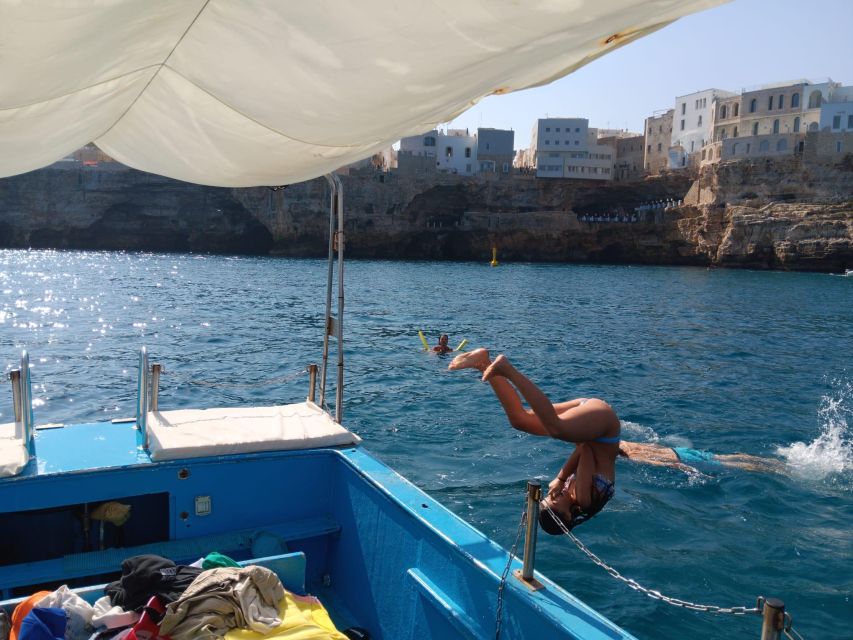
(334, 325)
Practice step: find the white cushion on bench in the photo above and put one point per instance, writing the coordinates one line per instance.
(195, 433)
(13, 453)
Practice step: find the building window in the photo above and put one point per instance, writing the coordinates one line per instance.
(703, 154)
(649, 149)
(796, 123)
(467, 152)
(547, 142)
(836, 122)
(748, 147)
(506, 167)
(429, 141)
(557, 129)
(850, 122)
(815, 99)
(683, 108)
(764, 145)
(723, 111)
(448, 152)
(719, 152)
(734, 133)
(770, 103)
(548, 129)
(724, 134)
(577, 142)
(795, 100)
(781, 144)
(776, 125)
(736, 109)
(699, 122)
(659, 146)
(487, 146)
(781, 101)
(692, 145)
(682, 125)
(467, 168)
(838, 146)
(755, 128)
(752, 105)
(734, 149)
(577, 129)
(660, 128)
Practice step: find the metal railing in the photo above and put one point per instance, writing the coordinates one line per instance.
(334, 325)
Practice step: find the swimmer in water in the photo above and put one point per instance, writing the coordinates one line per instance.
(586, 481)
(442, 346)
(682, 457)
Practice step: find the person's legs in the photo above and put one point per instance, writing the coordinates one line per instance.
(518, 416)
(750, 463)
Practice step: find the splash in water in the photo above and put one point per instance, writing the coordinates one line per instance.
(832, 451)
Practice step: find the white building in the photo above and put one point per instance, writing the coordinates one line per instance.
(568, 148)
(454, 151)
(837, 113)
(692, 124)
(457, 152)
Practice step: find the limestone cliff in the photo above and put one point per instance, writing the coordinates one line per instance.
(779, 214)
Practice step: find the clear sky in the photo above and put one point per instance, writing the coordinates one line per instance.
(734, 46)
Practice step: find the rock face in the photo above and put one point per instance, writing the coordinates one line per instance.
(117, 208)
(778, 215)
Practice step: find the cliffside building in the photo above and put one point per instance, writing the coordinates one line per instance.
(569, 148)
(495, 152)
(692, 126)
(772, 120)
(658, 135)
(627, 150)
(454, 152)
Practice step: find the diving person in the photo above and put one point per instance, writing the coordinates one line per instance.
(442, 346)
(585, 483)
(683, 457)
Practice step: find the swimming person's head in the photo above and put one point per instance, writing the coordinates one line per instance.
(443, 340)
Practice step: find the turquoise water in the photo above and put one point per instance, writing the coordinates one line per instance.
(731, 361)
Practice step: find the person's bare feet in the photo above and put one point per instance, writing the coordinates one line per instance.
(499, 367)
(476, 359)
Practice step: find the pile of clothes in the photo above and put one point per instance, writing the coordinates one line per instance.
(156, 599)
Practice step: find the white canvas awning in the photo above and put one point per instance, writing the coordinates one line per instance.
(268, 92)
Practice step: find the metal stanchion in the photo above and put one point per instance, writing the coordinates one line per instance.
(774, 619)
(142, 396)
(156, 370)
(15, 379)
(534, 494)
(312, 381)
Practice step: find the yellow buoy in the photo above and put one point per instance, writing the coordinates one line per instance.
(461, 344)
(424, 340)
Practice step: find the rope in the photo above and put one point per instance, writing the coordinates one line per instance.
(652, 593)
(242, 385)
(500, 604)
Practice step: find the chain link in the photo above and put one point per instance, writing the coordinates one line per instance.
(505, 574)
(789, 631)
(652, 593)
(239, 385)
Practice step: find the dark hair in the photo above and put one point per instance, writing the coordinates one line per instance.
(550, 526)
(577, 517)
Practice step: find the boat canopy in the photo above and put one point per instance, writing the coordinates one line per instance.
(268, 92)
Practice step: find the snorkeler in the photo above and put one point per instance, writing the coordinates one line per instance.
(586, 481)
(682, 457)
(442, 346)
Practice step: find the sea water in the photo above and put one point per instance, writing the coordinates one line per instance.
(726, 361)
